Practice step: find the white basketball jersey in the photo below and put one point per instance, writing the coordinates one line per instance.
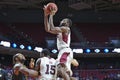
(63, 45)
(63, 41)
(47, 68)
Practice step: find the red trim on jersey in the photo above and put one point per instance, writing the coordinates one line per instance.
(65, 37)
(64, 56)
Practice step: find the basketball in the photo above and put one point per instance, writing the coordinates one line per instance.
(51, 6)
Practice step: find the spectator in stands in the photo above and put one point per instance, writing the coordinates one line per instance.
(3, 74)
(31, 66)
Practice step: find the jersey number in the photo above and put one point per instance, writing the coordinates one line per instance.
(50, 69)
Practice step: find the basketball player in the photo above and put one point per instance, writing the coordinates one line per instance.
(65, 56)
(44, 68)
(18, 59)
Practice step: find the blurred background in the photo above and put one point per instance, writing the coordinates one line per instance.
(95, 38)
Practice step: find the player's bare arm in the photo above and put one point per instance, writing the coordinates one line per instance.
(29, 72)
(47, 26)
(55, 29)
(46, 23)
(20, 67)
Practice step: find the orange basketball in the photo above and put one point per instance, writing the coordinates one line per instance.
(52, 6)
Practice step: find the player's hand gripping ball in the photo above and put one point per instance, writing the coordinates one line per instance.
(51, 8)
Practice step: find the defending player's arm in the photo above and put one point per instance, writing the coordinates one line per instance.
(29, 72)
(25, 70)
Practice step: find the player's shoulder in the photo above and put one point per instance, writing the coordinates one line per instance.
(41, 60)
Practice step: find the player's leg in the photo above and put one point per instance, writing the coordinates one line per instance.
(62, 72)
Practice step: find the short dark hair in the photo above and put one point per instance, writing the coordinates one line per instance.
(70, 21)
(45, 52)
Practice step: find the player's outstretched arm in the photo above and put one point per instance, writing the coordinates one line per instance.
(25, 70)
(29, 72)
(46, 23)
